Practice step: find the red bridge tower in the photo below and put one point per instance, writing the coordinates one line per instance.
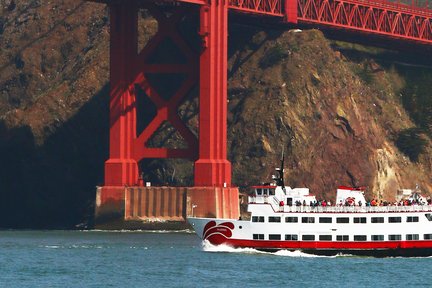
(212, 195)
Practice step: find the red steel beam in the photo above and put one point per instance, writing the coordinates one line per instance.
(263, 7)
(375, 17)
(166, 109)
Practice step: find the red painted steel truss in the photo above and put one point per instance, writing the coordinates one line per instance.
(383, 18)
(166, 109)
(266, 7)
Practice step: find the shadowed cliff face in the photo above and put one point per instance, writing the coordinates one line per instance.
(338, 111)
(53, 107)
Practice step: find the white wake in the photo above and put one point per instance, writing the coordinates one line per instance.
(208, 247)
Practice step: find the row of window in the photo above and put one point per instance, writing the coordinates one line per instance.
(361, 220)
(310, 237)
(265, 191)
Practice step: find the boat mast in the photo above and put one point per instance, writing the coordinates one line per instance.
(280, 179)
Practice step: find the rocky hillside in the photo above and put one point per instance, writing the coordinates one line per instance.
(345, 114)
(339, 118)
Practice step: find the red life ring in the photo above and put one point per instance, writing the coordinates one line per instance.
(281, 203)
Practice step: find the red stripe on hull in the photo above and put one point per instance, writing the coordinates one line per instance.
(375, 248)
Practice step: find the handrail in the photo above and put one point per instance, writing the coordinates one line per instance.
(358, 209)
(338, 209)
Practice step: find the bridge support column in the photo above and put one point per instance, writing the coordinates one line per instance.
(213, 195)
(291, 11)
(121, 169)
(212, 168)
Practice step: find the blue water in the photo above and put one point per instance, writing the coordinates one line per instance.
(155, 259)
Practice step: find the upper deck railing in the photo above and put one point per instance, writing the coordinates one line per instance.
(358, 209)
(275, 204)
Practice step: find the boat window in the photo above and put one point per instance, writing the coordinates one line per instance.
(342, 238)
(377, 238)
(274, 237)
(325, 220)
(428, 216)
(359, 237)
(265, 191)
(291, 237)
(274, 219)
(377, 220)
(427, 236)
(412, 236)
(257, 218)
(325, 237)
(395, 219)
(342, 220)
(413, 219)
(395, 237)
(308, 237)
(272, 191)
(361, 220)
(291, 219)
(308, 219)
(258, 236)
(259, 191)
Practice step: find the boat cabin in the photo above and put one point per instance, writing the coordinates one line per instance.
(350, 196)
(265, 190)
(284, 196)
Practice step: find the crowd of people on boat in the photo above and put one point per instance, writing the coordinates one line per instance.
(375, 202)
(372, 203)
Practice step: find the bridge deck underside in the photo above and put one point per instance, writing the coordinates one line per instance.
(393, 20)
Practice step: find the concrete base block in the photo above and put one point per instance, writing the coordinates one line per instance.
(124, 207)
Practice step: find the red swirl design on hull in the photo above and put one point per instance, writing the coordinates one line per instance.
(217, 233)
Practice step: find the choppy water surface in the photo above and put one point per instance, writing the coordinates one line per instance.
(158, 259)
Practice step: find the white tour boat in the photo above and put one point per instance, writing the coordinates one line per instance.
(287, 218)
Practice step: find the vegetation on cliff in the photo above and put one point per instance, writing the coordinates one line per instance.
(346, 114)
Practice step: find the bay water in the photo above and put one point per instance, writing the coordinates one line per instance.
(180, 259)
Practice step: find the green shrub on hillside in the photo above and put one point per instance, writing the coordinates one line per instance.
(364, 73)
(273, 56)
(411, 143)
(417, 96)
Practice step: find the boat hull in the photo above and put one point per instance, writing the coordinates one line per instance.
(234, 233)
